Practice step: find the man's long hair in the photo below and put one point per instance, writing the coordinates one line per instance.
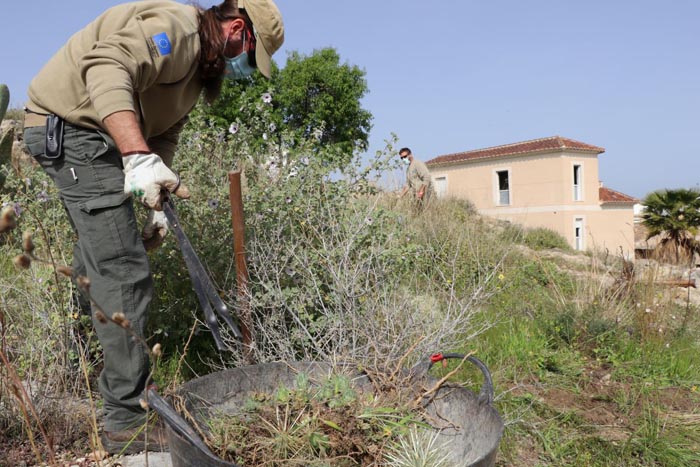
(211, 59)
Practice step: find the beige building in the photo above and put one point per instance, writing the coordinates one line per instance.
(550, 182)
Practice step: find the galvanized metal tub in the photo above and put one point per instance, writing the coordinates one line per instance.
(472, 439)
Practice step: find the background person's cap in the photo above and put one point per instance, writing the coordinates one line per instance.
(269, 30)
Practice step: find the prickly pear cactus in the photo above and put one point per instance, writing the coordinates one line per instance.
(4, 100)
(7, 138)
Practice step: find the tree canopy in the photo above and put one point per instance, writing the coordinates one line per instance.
(318, 94)
(315, 97)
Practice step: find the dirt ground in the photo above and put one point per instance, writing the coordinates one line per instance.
(603, 407)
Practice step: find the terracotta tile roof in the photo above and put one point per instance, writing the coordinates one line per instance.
(606, 195)
(553, 143)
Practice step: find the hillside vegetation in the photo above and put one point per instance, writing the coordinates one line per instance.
(593, 363)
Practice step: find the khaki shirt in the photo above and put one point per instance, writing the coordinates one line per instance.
(141, 56)
(418, 177)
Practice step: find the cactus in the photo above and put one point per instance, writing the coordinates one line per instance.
(4, 100)
(6, 139)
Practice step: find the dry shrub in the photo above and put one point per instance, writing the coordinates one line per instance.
(363, 283)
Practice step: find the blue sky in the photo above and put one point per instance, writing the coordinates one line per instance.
(455, 75)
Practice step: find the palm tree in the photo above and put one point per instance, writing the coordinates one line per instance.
(675, 216)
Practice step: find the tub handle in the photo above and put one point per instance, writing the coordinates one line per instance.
(486, 394)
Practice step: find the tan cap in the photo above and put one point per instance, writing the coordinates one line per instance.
(269, 30)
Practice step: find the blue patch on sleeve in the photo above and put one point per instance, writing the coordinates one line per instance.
(162, 43)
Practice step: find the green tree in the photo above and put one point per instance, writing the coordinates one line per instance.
(314, 98)
(320, 97)
(675, 216)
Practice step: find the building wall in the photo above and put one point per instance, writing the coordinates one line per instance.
(542, 195)
(612, 229)
(535, 180)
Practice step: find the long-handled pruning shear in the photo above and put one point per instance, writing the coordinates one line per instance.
(208, 297)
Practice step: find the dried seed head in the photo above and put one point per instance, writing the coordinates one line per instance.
(144, 404)
(27, 243)
(65, 270)
(100, 316)
(157, 350)
(22, 261)
(83, 282)
(121, 320)
(7, 219)
(118, 317)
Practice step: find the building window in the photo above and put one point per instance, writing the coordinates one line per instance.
(578, 234)
(503, 188)
(440, 186)
(578, 182)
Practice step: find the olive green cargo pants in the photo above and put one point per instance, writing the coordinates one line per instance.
(110, 252)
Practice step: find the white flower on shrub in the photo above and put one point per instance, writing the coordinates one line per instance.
(233, 129)
(272, 167)
(267, 97)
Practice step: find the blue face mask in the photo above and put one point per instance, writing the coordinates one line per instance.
(238, 67)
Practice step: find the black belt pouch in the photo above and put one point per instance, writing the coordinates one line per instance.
(54, 137)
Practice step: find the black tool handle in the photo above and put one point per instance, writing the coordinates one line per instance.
(205, 290)
(176, 422)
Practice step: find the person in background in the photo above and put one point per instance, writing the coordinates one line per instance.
(103, 120)
(418, 180)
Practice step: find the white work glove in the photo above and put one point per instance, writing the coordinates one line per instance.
(145, 176)
(155, 230)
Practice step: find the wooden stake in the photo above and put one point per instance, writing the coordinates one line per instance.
(238, 224)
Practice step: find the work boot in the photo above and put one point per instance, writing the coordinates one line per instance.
(133, 441)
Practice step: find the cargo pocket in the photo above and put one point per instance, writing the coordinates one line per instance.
(106, 201)
(108, 234)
